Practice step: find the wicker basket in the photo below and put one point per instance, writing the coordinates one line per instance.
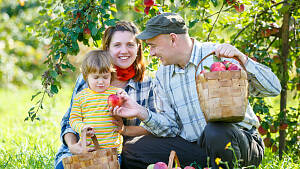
(99, 159)
(223, 95)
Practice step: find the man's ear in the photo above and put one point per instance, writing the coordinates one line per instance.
(174, 38)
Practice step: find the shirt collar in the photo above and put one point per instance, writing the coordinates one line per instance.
(193, 59)
(131, 83)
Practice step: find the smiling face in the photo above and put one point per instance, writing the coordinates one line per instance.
(161, 47)
(99, 82)
(123, 49)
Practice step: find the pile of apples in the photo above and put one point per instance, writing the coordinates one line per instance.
(221, 66)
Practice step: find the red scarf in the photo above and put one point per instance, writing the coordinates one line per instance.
(125, 74)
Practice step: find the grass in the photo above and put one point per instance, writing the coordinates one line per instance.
(30, 145)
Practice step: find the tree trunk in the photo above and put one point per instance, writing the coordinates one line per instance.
(284, 77)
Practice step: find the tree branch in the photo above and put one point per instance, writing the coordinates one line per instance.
(215, 22)
(263, 12)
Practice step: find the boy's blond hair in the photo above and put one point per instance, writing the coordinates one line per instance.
(97, 61)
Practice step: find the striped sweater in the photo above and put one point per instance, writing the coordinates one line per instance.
(91, 108)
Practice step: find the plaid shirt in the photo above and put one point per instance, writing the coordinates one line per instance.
(176, 99)
(140, 91)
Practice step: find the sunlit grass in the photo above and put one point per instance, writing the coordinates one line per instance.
(31, 145)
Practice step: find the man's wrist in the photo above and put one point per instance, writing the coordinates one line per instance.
(243, 58)
(143, 113)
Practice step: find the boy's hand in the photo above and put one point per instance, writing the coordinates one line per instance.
(89, 130)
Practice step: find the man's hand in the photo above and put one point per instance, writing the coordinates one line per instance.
(229, 51)
(129, 108)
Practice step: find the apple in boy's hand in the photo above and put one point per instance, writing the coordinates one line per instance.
(114, 100)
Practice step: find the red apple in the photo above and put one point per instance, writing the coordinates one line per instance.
(189, 167)
(87, 33)
(148, 3)
(274, 148)
(273, 129)
(262, 131)
(283, 126)
(239, 7)
(114, 100)
(229, 2)
(160, 165)
(276, 59)
(233, 67)
(226, 63)
(267, 142)
(146, 10)
(136, 8)
(217, 66)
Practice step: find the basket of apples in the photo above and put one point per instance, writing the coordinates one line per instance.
(222, 91)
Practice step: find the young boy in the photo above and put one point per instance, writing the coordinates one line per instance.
(90, 110)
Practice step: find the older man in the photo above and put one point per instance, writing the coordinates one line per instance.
(179, 123)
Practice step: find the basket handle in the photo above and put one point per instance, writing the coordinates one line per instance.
(173, 158)
(94, 139)
(213, 52)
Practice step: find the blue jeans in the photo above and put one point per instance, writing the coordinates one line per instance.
(60, 164)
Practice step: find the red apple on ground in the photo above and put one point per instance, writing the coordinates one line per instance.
(283, 126)
(148, 3)
(114, 100)
(239, 7)
(151, 166)
(189, 167)
(160, 165)
(262, 131)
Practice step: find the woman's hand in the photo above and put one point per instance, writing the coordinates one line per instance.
(229, 51)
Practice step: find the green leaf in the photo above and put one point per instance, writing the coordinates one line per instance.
(215, 2)
(53, 73)
(217, 59)
(54, 89)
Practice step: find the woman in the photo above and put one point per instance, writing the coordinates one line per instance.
(126, 53)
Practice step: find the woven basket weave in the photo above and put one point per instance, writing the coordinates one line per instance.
(223, 95)
(99, 159)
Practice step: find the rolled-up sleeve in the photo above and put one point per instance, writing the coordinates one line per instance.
(262, 81)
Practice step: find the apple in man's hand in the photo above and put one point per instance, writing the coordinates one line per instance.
(114, 100)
